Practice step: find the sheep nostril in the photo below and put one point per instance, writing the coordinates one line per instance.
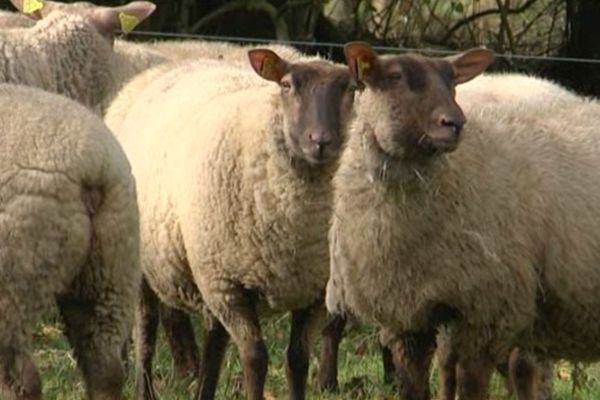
(320, 138)
(455, 125)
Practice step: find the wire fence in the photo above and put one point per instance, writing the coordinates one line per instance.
(331, 45)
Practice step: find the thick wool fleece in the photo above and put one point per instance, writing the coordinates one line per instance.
(180, 50)
(10, 19)
(223, 206)
(69, 228)
(61, 54)
(503, 230)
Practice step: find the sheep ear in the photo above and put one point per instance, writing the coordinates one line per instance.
(469, 64)
(267, 64)
(362, 61)
(31, 8)
(108, 20)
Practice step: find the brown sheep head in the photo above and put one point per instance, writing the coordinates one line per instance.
(409, 100)
(317, 99)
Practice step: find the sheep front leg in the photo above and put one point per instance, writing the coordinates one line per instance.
(179, 332)
(213, 351)
(145, 341)
(328, 361)
(412, 355)
(523, 374)
(298, 352)
(237, 313)
(473, 378)
(447, 360)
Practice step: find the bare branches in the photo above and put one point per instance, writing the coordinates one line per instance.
(475, 16)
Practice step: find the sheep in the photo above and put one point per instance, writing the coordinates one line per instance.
(70, 234)
(69, 51)
(496, 240)
(234, 189)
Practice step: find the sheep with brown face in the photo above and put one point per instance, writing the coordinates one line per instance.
(485, 228)
(234, 181)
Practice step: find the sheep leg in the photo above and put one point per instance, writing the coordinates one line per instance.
(298, 352)
(412, 354)
(387, 359)
(213, 351)
(473, 378)
(179, 332)
(238, 315)
(98, 359)
(447, 360)
(545, 375)
(147, 316)
(98, 308)
(328, 362)
(523, 374)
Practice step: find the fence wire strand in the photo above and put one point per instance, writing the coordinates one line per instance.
(330, 45)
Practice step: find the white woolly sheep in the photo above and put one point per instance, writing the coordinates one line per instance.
(69, 51)
(234, 193)
(497, 240)
(70, 236)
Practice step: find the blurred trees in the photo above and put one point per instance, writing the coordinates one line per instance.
(569, 28)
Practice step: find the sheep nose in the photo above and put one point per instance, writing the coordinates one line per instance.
(320, 138)
(456, 124)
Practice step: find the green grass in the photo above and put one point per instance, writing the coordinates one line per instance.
(359, 365)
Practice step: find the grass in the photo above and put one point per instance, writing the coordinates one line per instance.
(360, 369)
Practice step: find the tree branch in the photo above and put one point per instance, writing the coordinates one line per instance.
(473, 17)
(281, 30)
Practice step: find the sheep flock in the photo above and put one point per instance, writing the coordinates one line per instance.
(142, 184)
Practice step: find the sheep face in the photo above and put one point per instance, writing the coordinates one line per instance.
(316, 99)
(409, 100)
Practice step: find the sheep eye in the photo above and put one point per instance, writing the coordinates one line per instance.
(285, 85)
(395, 76)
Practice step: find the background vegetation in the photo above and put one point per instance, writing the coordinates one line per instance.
(539, 28)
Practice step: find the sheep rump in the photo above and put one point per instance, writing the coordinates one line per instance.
(69, 225)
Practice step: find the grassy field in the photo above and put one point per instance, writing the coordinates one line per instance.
(360, 371)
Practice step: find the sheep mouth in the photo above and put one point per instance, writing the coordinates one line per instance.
(442, 142)
(319, 155)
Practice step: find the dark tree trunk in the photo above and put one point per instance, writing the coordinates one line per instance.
(582, 40)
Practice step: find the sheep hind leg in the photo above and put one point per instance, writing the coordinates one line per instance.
(98, 359)
(413, 354)
(180, 335)
(298, 352)
(147, 315)
(473, 378)
(328, 362)
(213, 351)
(19, 376)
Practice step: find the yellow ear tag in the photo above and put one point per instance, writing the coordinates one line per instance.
(363, 66)
(268, 67)
(128, 22)
(31, 6)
